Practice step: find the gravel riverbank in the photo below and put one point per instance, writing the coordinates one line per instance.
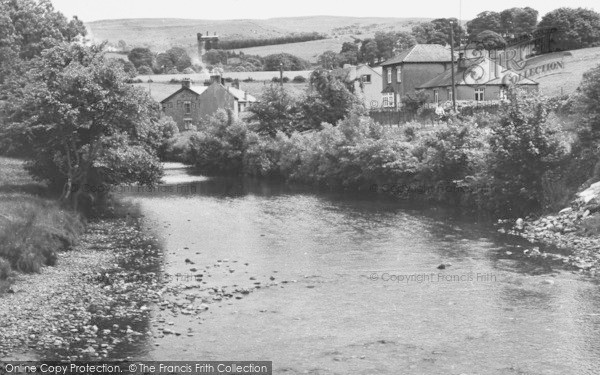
(575, 230)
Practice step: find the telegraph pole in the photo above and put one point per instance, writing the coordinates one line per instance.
(452, 66)
(281, 74)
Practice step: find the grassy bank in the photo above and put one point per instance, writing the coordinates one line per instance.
(33, 226)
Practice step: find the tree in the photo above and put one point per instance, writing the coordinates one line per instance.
(438, 31)
(290, 62)
(141, 56)
(489, 41)
(575, 28)
(87, 128)
(518, 21)
(349, 47)
(524, 147)
(587, 98)
(179, 58)
(484, 21)
(329, 99)
(368, 51)
(277, 111)
(29, 26)
(328, 60)
(403, 42)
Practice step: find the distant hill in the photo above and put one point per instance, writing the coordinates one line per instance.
(161, 34)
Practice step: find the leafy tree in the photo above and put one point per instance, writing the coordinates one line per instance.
(141, 56)
(349, 47)
(127, 67)
(328, 60)
(587, 99)
(277, 111)
(290, 62)
(29, 26)
(122, 45)
(329, 99)
(403, 42)
(368, 51)
(518, 21)
(86, 127)
(179, 58)
(145, 70)
(438, 32)
(576, 28)
(489, 41)
(350, 57)
(484, 21)
(524, 147)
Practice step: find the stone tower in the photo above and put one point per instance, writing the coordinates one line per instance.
(206, 43)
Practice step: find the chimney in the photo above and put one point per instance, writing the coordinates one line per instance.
(215, 78)
(245, 96)
(186, 83)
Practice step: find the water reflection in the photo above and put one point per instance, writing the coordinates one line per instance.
(330, 316)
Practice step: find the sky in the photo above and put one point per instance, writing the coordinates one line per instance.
(93, 10)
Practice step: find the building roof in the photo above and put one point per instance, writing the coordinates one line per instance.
(420, 53)
(194, 89)
(474, 72)
(241, 95)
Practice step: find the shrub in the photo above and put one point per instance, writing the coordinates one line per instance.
(179, 148)
(145, 70)
(299, 79)
(249, 79)
(35, 235)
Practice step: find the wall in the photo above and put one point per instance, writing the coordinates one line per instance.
(412, 75)
(174, 107)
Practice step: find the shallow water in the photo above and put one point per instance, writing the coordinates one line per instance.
(337, 295)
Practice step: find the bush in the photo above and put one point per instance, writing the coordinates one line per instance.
(145, 70)
(277, 80)
(299, 79)
(219, 145)
(35, 231)
(249, 79)
(179, 148)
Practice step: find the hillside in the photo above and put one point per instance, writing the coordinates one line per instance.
(161, 34)
(565, 81)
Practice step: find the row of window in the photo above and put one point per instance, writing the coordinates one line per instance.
(187, 106)
(388, 98)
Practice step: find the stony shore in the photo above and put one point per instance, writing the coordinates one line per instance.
(575, 230)
(98, 301)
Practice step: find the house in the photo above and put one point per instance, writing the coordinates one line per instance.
(404, 73)
(191, 104)
(476, 79)
(367, 83)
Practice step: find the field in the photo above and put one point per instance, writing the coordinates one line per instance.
(565, 81)
(305, 50)
(162, 34)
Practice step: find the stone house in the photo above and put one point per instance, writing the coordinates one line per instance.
(476, 79)
(191, 104)
(404, 73)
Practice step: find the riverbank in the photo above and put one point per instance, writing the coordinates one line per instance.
(575, 229)
(92, 303)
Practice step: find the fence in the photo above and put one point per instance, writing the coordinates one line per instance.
(427, 114)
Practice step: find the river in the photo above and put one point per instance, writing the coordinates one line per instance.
(338, 283)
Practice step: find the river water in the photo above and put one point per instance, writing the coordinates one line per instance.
(349, 284)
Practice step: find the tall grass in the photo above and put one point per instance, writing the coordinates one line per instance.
(33, 229)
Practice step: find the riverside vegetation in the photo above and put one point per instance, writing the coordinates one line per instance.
(529, 158)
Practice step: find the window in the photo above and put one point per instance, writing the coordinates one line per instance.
(388, 100)
(366, 78)
(187, 123)
(436, 96)
(170, 104)
(502, 93)
(389, 75)
(479, 94)
(398, 74)
(450, 94)
(187, 107)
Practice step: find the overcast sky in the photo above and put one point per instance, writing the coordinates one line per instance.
(91, 10)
